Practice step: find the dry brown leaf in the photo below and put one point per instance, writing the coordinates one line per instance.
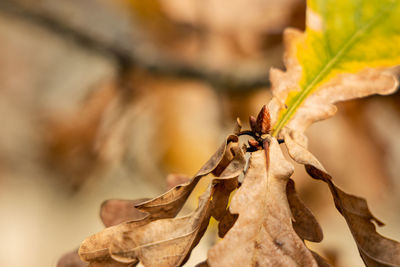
(116, 211)
(110, 263)
(226, 223)
(158, 240)
(304, 222)
(320, 104)
(225, 185)
(170, 203)
(202, 264)
(165, 242)
(220, 210)
(320, 261)
(375, 249)
(263, 233)
(253, 123)
(94, 249)
(169, 242)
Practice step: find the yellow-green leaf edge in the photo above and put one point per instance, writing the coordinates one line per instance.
(343, 36)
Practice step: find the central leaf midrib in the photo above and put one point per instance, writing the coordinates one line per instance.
(327, 68)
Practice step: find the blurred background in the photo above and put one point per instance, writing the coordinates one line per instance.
(101, 99)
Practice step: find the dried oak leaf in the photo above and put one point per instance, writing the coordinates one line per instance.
(304, 222)
(226, 223)
(110, 263)
(169, 242)
(321, 262)
(159, 240)
(116, 211)
(165, 242)
(337, 58)
(94, 249)
(375, 250)
(202, 264)
(72, 259)
(263, 234)
(170, 203)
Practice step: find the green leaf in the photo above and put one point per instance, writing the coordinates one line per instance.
(342, 36)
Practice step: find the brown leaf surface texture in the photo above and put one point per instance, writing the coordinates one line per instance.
(110, 263)
(226, 223)
(375, 249)
(320, 261)
(263, 234)
(168, 242)
(320, 104)
(170, 203)
(158, 239)
(304, 222)
(94, 249)
(116, 211)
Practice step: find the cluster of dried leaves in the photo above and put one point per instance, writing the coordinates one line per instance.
(152, 234)
(264, 224)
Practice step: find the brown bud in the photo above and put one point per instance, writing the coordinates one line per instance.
(253, 143)
(263, 123)
(253, 123)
